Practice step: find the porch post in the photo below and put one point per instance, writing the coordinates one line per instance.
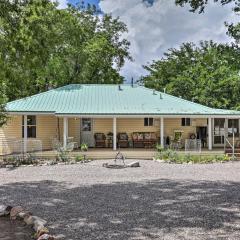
(162, 131)
(209, 133)
(65, 131)
(114, 133)
(25, 133)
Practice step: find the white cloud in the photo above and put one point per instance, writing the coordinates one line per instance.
(61, 3)
(155, 28)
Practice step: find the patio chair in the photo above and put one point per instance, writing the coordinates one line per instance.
(122, 140)
(100, 140)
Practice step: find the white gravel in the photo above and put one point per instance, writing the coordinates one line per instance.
(155, 201)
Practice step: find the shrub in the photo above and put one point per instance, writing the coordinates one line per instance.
(171, 156)
(84, 147)
(79, 158)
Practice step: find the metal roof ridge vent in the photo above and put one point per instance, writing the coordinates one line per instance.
(119, 87)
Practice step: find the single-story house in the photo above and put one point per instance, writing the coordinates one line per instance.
(81, 110)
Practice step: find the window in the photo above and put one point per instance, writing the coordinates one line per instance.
(148, 122)
(31, 126)
(86, 125)
(233, 127)
(186, 122)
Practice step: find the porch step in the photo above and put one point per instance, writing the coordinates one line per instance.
(229, 150)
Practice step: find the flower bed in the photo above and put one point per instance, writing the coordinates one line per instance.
(12, 161)
(170, 156)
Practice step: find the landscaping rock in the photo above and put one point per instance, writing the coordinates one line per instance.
(23, 214)
(41, 232)
(134, 164)
(5, 210)
(28, 220)
(38, 226)
(15, 211)
(46, 237)
(9, 166)
(160, 161)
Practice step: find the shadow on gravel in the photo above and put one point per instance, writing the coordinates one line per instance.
(162, 209)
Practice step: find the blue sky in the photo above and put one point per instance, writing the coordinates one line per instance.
(154, 26)
(86, 1)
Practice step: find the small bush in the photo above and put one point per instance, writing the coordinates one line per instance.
(79, 158)
(84, 147)
(171, 156)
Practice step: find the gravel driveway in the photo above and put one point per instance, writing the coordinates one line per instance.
(155, 201)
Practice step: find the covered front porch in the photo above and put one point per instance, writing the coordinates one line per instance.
(128, 133)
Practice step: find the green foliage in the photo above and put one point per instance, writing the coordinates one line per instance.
(207, 74)
(84, 147)
(199, 5)
(18, 160)
(63, 155)
(159, 148)
(79, 158)
(171, 156)
(42, 46)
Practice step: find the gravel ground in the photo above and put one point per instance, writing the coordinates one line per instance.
(14, 230)
(155, 201)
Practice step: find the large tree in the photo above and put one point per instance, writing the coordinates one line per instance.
(206, 74)
(42, 46)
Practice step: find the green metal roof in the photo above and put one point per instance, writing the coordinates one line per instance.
(92, 99)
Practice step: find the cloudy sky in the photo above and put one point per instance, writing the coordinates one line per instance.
(154, 28)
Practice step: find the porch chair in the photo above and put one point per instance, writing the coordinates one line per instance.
(100, 140)
(122, 140)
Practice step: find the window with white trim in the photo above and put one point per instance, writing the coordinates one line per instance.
(148, 122)
(31, 126)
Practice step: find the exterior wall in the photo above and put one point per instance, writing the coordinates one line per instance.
(130, 125)
(47, 130)
(172, 124)
(74, 129)
(10, 132)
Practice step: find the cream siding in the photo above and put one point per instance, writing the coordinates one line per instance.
(74, 129)
(47, 130)
(10, 132)
(130, 125)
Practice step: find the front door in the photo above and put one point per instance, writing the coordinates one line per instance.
(219, 132)
(87, 132)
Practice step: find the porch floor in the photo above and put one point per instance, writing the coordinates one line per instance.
(136, 153)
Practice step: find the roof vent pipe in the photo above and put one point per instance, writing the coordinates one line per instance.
(119, 87)
(160, 96)
(132, 82)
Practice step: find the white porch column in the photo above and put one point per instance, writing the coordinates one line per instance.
(162, 131)
(210, 141)
(114, 133)
(65, 131)
(25, 133)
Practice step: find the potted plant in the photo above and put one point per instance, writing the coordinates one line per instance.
(84, 147)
